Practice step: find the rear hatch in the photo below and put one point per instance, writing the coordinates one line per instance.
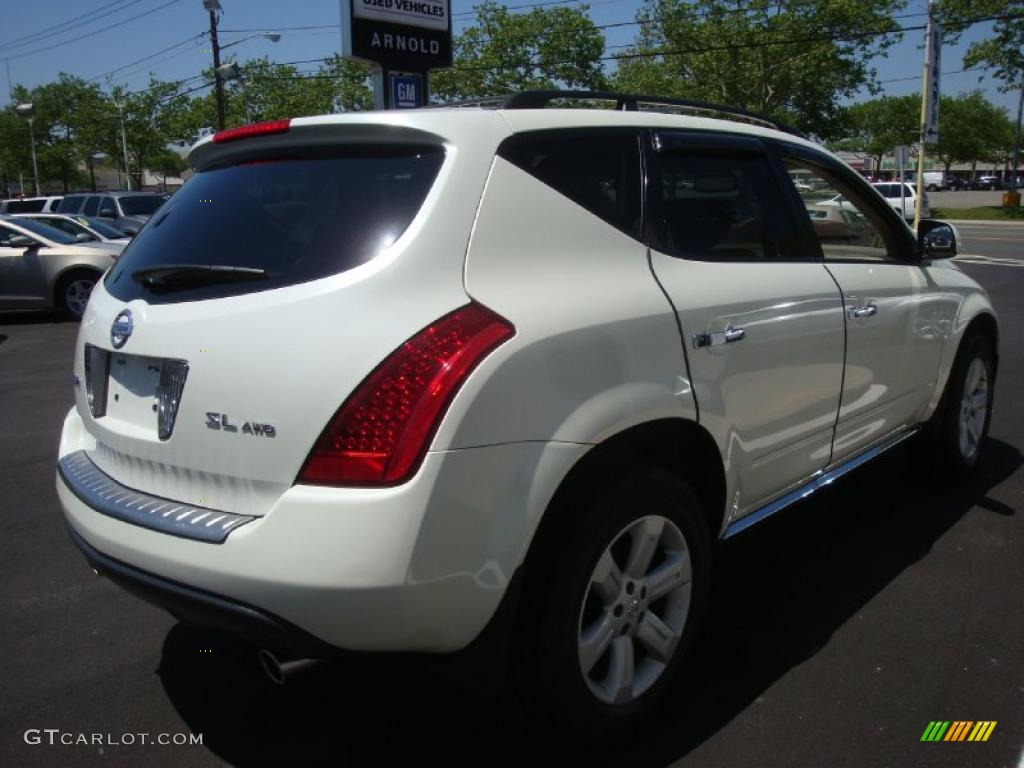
(260, 295)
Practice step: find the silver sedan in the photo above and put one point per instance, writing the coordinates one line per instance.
(44, 268)
(84, 229)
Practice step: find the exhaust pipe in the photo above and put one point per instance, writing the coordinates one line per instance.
(279, 670)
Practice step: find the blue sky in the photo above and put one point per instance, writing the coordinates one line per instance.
(180, 20)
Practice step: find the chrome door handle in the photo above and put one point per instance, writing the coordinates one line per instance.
(864, 310)
(716, 339)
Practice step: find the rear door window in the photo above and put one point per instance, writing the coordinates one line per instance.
(296, 218)
(71, 204)
(716, 205)
(91, 206)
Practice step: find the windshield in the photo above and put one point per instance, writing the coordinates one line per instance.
(99, 225)
(295, 218)
(45, 230)
(143, 205)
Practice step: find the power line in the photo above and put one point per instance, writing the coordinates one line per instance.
(716, 48)
(57, 28)
(95, 32)
(194, 38)
(918, 77)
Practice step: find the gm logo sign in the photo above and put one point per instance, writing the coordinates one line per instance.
(406, 91)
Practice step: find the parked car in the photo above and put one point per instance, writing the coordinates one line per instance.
(126, 211)
(934, 181)
(45, 268)
(82, 228)
(890, 190)
(419, 380)
(988, 181)
(29, 204)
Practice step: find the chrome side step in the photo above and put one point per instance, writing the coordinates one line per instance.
(819, 481)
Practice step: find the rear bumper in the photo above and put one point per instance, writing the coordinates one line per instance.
(204, 608)
(419, 567)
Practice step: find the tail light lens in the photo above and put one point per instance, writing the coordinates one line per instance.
(379, 435)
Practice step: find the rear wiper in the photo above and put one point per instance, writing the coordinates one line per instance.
(167, 277)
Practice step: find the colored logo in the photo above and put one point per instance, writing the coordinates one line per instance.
(958, 730)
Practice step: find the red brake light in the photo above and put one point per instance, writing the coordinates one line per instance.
(381, 432)
(256, 129)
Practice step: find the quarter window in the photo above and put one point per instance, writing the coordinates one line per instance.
(599, 172)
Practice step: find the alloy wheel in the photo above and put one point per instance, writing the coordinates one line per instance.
(634, 609)
(973, 408)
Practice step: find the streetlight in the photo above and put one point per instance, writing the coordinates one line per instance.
(213, 8)
(25, 110)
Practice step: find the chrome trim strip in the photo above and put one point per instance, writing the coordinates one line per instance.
(817, 482)
(83, 477)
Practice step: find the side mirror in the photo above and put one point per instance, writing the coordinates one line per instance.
(937, 239)
(107, 213)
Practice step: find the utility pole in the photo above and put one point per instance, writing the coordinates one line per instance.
(1016, 145)
(218, 81)
(10, 88)
(28, 112)
(929, 102)
(119, 103)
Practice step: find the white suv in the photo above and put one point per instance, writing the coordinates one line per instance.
(379, 381)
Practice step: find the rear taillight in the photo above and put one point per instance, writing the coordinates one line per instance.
(255, 129)
(381, 432)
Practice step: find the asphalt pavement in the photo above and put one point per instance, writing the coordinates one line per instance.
(838, 631)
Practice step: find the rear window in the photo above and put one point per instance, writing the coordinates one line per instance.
(296, 218)
(45, 230)
(141, 205)
(25, 206)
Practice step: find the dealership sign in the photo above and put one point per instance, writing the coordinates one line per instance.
(409, 35)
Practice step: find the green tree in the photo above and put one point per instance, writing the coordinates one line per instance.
(268, 91)
(167, 163)
(791, 59)
(1002, 52)
(505, 52)
(878, 126)
(15, 159)
(972, 129)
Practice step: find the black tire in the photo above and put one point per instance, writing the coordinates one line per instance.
(948, 425)
(558, 590)
(71, 289)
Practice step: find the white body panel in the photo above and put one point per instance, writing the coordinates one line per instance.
(597, 349)
(769, 400)
(892, 356)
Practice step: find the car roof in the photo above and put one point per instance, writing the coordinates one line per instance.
(473, 125)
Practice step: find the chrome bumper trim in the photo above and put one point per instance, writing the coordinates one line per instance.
(109, 497)
(816, 483)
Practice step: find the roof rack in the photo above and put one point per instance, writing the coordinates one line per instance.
(626, 102)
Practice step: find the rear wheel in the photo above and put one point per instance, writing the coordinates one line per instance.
(618, 602)
(73, 291)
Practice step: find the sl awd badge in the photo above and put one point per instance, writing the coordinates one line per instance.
(221, 422)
